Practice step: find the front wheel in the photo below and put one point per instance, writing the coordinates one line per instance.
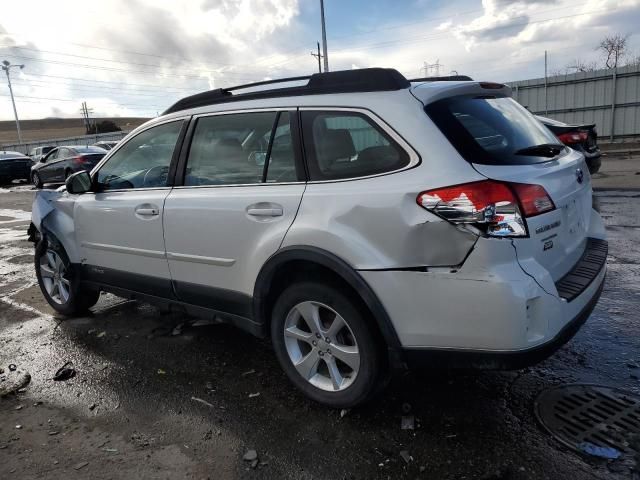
(35, 179)
(59, 282)
(325, 345)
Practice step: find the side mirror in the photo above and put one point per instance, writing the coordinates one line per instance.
(79, 182)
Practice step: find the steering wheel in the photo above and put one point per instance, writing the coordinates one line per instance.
(156, 176)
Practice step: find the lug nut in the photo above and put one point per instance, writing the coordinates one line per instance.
(328, 351)
(327, 339)
(318, 335)
(321, 353)
(314, 343)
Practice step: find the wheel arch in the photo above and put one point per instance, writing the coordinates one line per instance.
(293, 256)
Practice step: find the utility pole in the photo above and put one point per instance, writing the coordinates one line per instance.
(319, 56)
(6, 66)
(546, 104)
(324, 38)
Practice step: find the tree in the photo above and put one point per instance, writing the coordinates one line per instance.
(613, 48)
(579, 65)
(105, 126)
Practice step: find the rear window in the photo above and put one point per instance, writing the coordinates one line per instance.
(341, 145)
(492, 130)
(90, 150)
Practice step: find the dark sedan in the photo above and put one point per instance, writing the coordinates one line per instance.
(14, 166)
(582, 138)
(61, 162)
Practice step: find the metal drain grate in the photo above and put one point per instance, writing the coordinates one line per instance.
(593, 416)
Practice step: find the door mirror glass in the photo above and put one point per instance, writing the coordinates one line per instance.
(79, 182)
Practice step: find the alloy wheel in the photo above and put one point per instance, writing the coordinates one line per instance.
(53, 271)
(321, 346)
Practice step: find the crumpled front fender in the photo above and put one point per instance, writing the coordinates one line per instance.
(52, 214)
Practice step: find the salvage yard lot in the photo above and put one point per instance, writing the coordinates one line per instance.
(159, 395)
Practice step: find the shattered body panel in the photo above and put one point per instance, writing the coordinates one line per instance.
(53, 212)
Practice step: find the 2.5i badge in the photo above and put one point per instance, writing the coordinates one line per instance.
(547, 245)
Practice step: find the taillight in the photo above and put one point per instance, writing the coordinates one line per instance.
(80, 160)
(495, 208)
(570, 138)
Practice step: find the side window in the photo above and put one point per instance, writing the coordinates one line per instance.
(62, 153)
(51, 156)
(233, 150)
(348, 145)
(143, 162)
(282, 164)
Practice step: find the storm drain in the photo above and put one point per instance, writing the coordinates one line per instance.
(591, 419)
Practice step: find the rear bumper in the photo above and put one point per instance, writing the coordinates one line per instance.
(489, 313)
(501, 360)
(15, 171)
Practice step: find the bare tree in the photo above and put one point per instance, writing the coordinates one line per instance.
(579, 65)
(613, 48)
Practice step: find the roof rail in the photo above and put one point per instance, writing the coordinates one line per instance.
(449, 78)
(343, 81)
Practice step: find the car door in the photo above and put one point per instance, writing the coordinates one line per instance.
(119, 225)
(59, 165)
(46, 170)
(239, 193)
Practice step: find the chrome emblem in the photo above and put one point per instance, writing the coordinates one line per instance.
(579, 175)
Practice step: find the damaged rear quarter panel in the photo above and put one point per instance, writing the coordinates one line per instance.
(53, 212)
(375, 223)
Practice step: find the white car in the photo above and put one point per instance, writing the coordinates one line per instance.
(362, 221)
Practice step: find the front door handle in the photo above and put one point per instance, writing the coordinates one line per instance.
(265, 212)
(147, 211)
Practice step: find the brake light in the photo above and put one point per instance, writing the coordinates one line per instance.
(80, 160)
(495, 208)
(570, 138)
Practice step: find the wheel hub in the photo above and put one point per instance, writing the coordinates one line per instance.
(321, 346)
(52, 273)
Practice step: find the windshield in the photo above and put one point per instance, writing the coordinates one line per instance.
(492, 130)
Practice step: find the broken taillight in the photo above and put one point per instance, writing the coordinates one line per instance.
(495, 208)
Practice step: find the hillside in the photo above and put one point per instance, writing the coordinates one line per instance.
(51, 128)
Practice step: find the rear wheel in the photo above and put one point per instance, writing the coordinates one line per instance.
(325, 345)
(59, 282)
(67, 174)
(35, 179)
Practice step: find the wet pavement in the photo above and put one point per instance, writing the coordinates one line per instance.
(150, 400)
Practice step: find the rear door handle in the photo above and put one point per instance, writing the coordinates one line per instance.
(265, 212)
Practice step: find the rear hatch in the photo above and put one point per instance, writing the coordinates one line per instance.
(504, 142)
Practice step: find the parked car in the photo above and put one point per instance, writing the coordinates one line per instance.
(37, 153)
(364, 222)
(14, 166)
(61, 162)
(106, 144)
(582, 138)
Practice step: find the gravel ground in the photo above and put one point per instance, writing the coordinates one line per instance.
(150, 404)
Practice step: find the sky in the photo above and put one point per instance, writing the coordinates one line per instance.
(137, 57)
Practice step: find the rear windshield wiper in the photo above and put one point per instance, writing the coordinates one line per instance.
(543, 150)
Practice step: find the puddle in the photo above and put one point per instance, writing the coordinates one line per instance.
(13, 216)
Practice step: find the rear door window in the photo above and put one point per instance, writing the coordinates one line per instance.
(342, 145)
(494, 130)
(241, 149)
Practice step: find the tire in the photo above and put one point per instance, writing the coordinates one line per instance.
(350, 386)
(35, 179)
(77, 299)
(67, 174)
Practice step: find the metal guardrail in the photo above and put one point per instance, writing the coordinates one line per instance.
(78, 140)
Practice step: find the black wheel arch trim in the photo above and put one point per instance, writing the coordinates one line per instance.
(339, 267)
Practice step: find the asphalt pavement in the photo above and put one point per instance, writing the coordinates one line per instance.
(159, 395)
